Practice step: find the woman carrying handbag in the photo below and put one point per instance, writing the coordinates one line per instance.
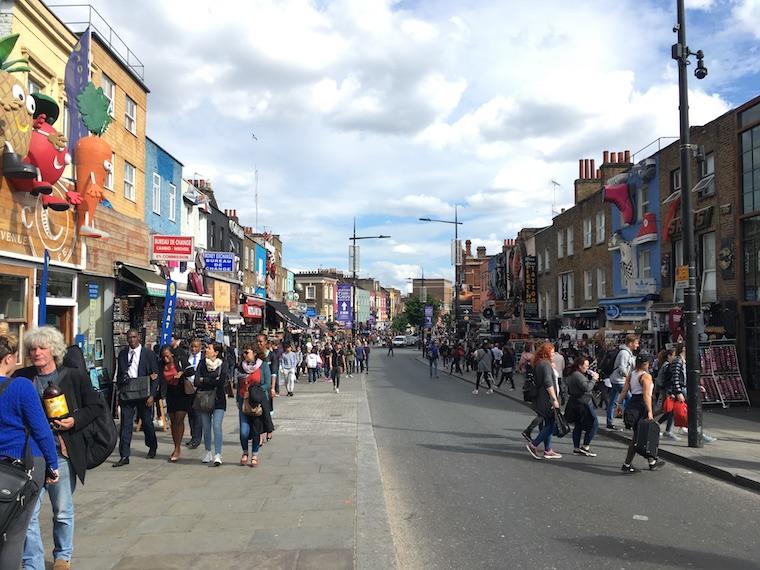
(23, 426)
(211, 400)
(248, 374)
(179, 394)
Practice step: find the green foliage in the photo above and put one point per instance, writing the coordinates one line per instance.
(400, 323)
(93, 106)
(414, 310)
(6, 47)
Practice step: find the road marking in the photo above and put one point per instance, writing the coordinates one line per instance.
(640, 518)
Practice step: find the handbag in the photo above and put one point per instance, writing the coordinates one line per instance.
(205, 401)
(135, 389)
(188, 387)
(561, 427)
(680, 414)
(100, 436)
(17, 488)
(252, 410)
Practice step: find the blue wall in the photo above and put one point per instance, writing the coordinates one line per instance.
(260, 258)
(157, 160)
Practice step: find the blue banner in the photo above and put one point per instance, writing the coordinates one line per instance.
(344, 315)
(221, 261)
(76, 77)
(42, 313)
(428, 316)
(170, 302)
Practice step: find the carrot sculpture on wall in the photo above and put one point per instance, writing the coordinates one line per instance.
(92, 157)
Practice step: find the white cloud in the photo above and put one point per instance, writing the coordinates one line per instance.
(747, 15)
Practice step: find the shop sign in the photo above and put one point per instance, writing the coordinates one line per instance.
(219, 261)
(531, 290)
(642, 286)
(170, 302)
(221, 297)
(252, 312)
(93, 290)
(171, 248)
(682, 273)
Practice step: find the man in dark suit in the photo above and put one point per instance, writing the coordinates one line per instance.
(135, 361)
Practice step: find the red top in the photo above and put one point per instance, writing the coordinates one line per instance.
(253, 378)
(170, 373)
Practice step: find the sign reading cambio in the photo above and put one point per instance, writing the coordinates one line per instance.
(171, 248)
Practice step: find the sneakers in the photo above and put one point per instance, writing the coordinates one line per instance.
(584, 451)
(551, 454)
(656, 465)
(670, 435)
(337, 390)
(613, 427)
(627, 469)
(475, 391)
(217, 460)
(207, 458)
(533, 450)
(489, 391)
(526, 435)
(708, 438)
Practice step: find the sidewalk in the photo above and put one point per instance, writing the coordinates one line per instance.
(316, 500)
(734, 457)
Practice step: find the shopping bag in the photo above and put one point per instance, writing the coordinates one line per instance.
(561, 427)
(680, 414)
(667, 404)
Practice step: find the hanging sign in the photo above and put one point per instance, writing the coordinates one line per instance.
(170, 302)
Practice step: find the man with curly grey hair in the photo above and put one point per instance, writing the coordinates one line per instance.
(46, 348)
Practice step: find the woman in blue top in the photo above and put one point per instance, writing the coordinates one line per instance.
(21, 410)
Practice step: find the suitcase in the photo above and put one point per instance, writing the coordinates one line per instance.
(647, 438)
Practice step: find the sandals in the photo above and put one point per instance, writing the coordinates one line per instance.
(244, 459)
(173, 458)
(254, 461)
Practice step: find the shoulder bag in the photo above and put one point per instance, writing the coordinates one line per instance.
(561, 427)
(135, 389)
(100, 435)
(16, 484)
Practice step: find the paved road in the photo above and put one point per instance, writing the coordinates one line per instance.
(462, 491)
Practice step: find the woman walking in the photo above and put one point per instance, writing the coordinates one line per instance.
(546, 401)
(177, 401)
(580, 409)
(251, 427)
(507, 367)
(641, 386)
(210, 376)
(22, 423)
(312, 365)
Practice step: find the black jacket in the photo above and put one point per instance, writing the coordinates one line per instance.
(148, 365)
(216, 380)
(84, 405)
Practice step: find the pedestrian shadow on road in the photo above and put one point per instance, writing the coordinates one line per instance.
(617, 548)
(508, 450)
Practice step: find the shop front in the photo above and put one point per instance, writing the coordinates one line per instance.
(253, 320)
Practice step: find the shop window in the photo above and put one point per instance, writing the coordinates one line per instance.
(172, 202)
(60, 285)
(129, 182)
(13, 303)
(109, 90)
(311, 292)
(588, 284)
(600, 229)
(588, 233)
(709, 292)
(560, 244)
(130, 115)
(751, 258)
(156, 194)
(109, 176)
(645, 263)
(750, 148)
(601, 282)
(570, 240)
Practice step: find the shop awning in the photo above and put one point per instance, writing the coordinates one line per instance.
(581, 312)
(146, 279)
(284, 313)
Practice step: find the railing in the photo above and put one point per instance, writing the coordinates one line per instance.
(660, 144)
(72, 16)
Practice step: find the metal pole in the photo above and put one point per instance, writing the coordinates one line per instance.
(456, 273)
(353, 287)
(681, 53)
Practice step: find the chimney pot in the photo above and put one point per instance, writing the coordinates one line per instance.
(628, 156)
(592, 168)
(468, 248)
(605, 157)
(598, 173)
(581, 169)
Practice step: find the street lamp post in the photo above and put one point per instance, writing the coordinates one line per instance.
(456, 224)
(353, 239)
(681, 53)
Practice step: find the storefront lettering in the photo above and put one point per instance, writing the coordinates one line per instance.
(12, 237)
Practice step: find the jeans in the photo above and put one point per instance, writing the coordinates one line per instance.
(611, 405)
(62, 502)
(145, 413)
(248, 432)
(217, 417)
(577, 429)
(290, 379)
(196, 425)
(434, 366)
(326, 370)
(486, 378)
(545, 435)
(312, 374)
(336, 377)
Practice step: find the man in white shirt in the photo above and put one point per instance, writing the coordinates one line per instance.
(193, 417)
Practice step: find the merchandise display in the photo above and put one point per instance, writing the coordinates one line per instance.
(720, 375)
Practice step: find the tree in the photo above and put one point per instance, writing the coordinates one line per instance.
(414, 310)
(400, 323)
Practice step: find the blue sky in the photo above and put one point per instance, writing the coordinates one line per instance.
(389, 111)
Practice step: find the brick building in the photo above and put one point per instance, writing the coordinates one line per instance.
(436, 288)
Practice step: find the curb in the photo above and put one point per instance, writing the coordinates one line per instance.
(693, 464)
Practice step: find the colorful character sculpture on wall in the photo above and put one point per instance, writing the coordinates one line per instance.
(16, 110)
(93, 157)
(47, 152)
(619, 190)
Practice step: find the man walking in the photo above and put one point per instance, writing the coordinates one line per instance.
(136, 361)
(432, 354)
(288, 365)
(624, 364)
(484, 365)
(390, 347)
(339, 364)
(193, 417)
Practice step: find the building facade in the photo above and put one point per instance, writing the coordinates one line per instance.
(163, 200)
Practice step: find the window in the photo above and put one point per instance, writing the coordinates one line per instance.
(548, 303)
(546, 260)
(601, 283)
(709, 291)
(566, 292)
(172, 202)
(66, 119)
(750, 116)
(129, 182)
(645, 263)
(560, 244)
(750, 147)
(109, 176)
(156, 194)
(642, 201)
(588, 233)
(588, 285)
(539, 262)
(33, 87)
(311, 292)
(570, 241)
(708, 164)
(675, 180)
(130, 116)
(109, 90)
(600, 229)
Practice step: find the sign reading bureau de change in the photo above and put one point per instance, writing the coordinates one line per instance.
(171, 248)
(221, 261)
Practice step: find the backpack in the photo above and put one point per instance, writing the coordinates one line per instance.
(530, 388)
(664, 376)
(607, 365)
(433, 353)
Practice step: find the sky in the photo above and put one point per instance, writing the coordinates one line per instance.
(388, 111)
